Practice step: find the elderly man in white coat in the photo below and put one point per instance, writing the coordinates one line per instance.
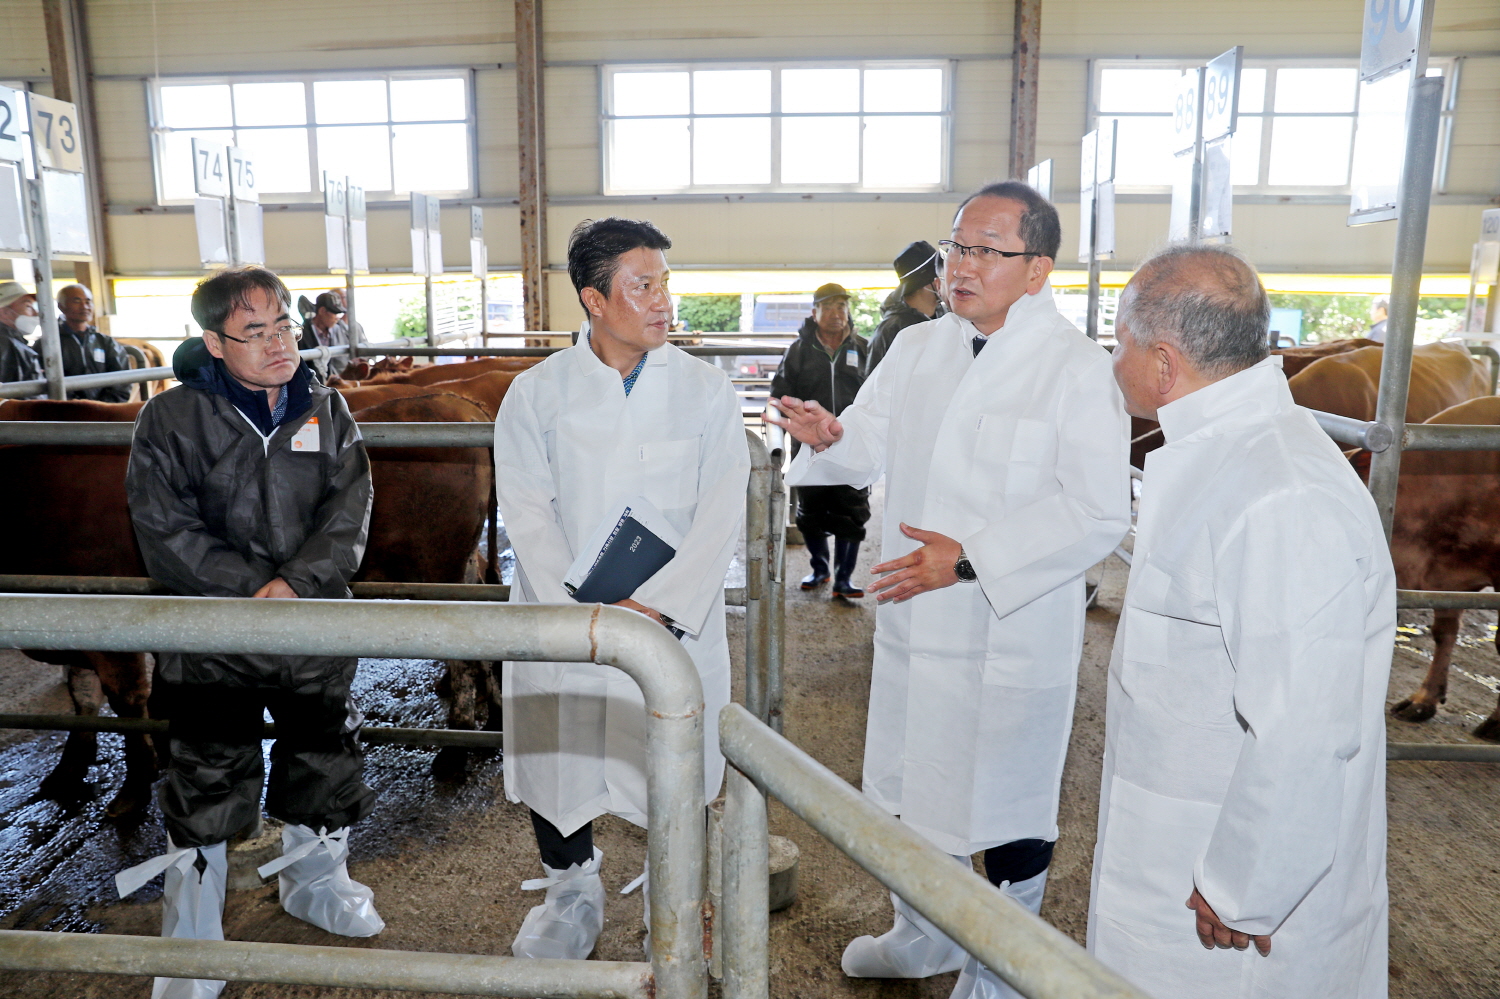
(620, 414)
(1244, 762)
(1004, 443)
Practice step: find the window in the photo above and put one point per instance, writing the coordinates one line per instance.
(1295, 132)
(393, 134)
(865, 127)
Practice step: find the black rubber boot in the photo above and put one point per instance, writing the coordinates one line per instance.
(817, 554)
(846, 554)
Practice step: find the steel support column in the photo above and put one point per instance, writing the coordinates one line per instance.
(1025, 63)
(1423, 110)
(73, 81)
(531, 119)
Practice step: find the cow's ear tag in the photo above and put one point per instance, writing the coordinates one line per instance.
(306, 437)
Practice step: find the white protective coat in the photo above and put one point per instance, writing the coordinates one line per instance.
(1245, 735)
(569, 447)
(1021, 454)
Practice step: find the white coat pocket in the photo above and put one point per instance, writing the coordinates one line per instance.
(669, 472)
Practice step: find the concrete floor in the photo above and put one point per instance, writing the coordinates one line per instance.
(446, 860)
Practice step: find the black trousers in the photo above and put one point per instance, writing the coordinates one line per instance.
(1020, 860)
(213, 783)
(561, 852)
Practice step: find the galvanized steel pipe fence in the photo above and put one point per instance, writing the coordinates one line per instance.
(132, 376)
(577, 633)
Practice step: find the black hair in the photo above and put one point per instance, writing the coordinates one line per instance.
(595, 248)
(1205, 299)
(217, 297)
(1041, 230)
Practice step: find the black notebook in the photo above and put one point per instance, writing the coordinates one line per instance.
(629, 548)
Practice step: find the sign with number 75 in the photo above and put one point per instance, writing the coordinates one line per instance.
(58, 134)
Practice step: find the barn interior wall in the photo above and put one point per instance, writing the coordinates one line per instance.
(134, 39)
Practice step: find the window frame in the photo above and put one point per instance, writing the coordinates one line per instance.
(607, 72)
(159, 131)
(1263, 188)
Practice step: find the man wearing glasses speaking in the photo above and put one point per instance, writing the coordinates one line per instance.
(250, 480)
(1005, 446)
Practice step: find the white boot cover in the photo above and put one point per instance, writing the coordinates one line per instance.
(570, 920)
(912, 948)
(192, 906)
(315, 883)
(979, 982)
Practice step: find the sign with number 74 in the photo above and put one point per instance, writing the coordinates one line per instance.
(58, 134)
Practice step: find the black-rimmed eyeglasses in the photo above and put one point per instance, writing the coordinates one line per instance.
(983, 254)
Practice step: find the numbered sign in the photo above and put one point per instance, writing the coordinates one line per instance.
(478, 264)
(1187, 111)
(57, 134)
(434, 234)
(241, 176)
(1392, 37)
(249, 232)
(10, 126)
(335, 219)
(418, 233)
(1221, 94)
(1039, 178)
(1217, 199)
(210, 169)
(358, 241)
(213, 231)
(1379, 135)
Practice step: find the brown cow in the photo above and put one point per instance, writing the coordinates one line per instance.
(430, 506)
(487, 390)
(74, 522)
(154, 359)
(1442, 375)
(431, 374)
(1447, 537)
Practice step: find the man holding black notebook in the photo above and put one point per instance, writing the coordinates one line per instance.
(618, 418)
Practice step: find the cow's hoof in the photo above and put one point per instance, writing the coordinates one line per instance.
(68, 781)
(131, 802)
(1489, 729)
(450, 763)
(1413, 710)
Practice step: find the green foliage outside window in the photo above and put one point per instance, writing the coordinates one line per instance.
(1335, 317)
(864, 309)
(710, 313)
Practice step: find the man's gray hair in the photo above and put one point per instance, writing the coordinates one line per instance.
(1207, 301)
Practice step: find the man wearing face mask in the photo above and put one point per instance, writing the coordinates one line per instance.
(85, 350)
(1004, 443)
(918, 298)
(18, 320)
(619, 414)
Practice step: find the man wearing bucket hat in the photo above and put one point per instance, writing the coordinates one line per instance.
(827, 364)
(18, 319)
(917, 296)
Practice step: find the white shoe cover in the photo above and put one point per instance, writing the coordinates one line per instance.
(912, 948)
(315, 883)
(978, 982)
(192, 906)
(570, 920)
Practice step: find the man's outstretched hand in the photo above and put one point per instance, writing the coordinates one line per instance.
(1213, 933)
(807, 421)
(928, 568)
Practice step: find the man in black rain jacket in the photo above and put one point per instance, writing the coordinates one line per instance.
(85, 350)
(915, 300)
(826, 364)
(250, 480)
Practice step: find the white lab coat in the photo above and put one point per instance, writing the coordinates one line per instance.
(1021, 454)
(569, 447)
(1245, 732)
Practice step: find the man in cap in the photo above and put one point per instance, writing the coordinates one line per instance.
(85, 350)
(919, 298)
(1243, 794)
(325, 327)
(249, 479)
(1005, 447)
(18, 320)
(826, 364)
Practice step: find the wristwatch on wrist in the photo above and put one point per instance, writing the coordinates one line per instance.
(964, 569)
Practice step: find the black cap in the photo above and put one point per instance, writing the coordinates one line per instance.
(829, 290)
(916, 267)
(328, 300)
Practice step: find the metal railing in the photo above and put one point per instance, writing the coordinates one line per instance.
(131, 376)
(578, 633)
(369, 351)
(1034, 957)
